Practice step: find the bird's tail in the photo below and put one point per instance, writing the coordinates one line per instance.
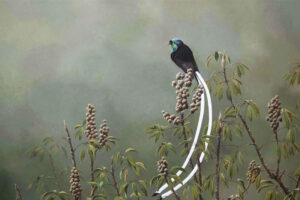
(191, 151)
(200, 80)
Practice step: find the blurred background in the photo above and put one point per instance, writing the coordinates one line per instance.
(58, 56)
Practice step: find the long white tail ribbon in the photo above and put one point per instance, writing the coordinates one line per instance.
(198, 130)
(192, 173)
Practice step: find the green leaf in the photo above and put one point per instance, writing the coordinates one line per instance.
(211, 188)
(286, 119)
(129, 150)
(220, 93)
(228, 93)
(288, 136)
(293, 79)
(141, 165)
(257, 181)
(255, 108)
(143, 189)
(235, 88)
(93, 183)
(153, 180)
(238, 131)
(278, 152)
(269, 195)
(134, 188)
(297, 172)
(264, 186)
(249, 112)
(160, 181)
(208, 59)
(186, 192)
(216, 56)
(223, 178)
(286, 76)
(93, 149)
(82, 155)
(177, 178)
(195, 192)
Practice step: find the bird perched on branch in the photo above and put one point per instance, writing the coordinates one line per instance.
(182, 55)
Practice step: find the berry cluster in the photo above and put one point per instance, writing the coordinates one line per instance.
(171, 118)
(196, 99)
(75, 188)
(188, 78)
(182, 84)
(104, 130)
(90, 130)
(274, 113)
(253, 171)
(162, 166)
(182, 89)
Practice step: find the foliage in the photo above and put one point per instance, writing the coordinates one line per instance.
(125, 174)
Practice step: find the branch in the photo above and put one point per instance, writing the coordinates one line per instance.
(93, 188)
(76, 196)
(18, 193)
(176, 196)
(218, 158)
(199, 174)
(298, 182)
(70, 144)
(114, 178)
(271, 175)
(278, 160)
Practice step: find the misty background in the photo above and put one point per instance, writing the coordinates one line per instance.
(57, 56)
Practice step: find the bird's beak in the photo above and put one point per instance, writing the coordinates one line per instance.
(170, 42)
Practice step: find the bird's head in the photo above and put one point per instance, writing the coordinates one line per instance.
(175, 44)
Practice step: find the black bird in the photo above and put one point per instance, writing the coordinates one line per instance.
(182, 55)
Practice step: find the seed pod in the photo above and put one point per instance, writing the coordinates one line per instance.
(90, 122)
(274, 113)
(104, 131)
(196, 99)
(253, 171)
(162, 166)
(75, 187)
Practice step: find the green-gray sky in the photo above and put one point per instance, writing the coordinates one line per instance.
(57, 56)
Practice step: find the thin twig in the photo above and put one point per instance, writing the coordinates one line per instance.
(70, 144)
(93, 188)
(298, 182)
(72, 153)
(278, 159)
(218, 157)
(176, 196)
(112, 171)
(199, 174)
(18, 193)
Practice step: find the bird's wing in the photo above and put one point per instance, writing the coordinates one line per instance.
(184, 58)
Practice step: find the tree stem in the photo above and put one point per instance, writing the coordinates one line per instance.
(114, 178)
(92, 177)
(218, 158)
(18, 193)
